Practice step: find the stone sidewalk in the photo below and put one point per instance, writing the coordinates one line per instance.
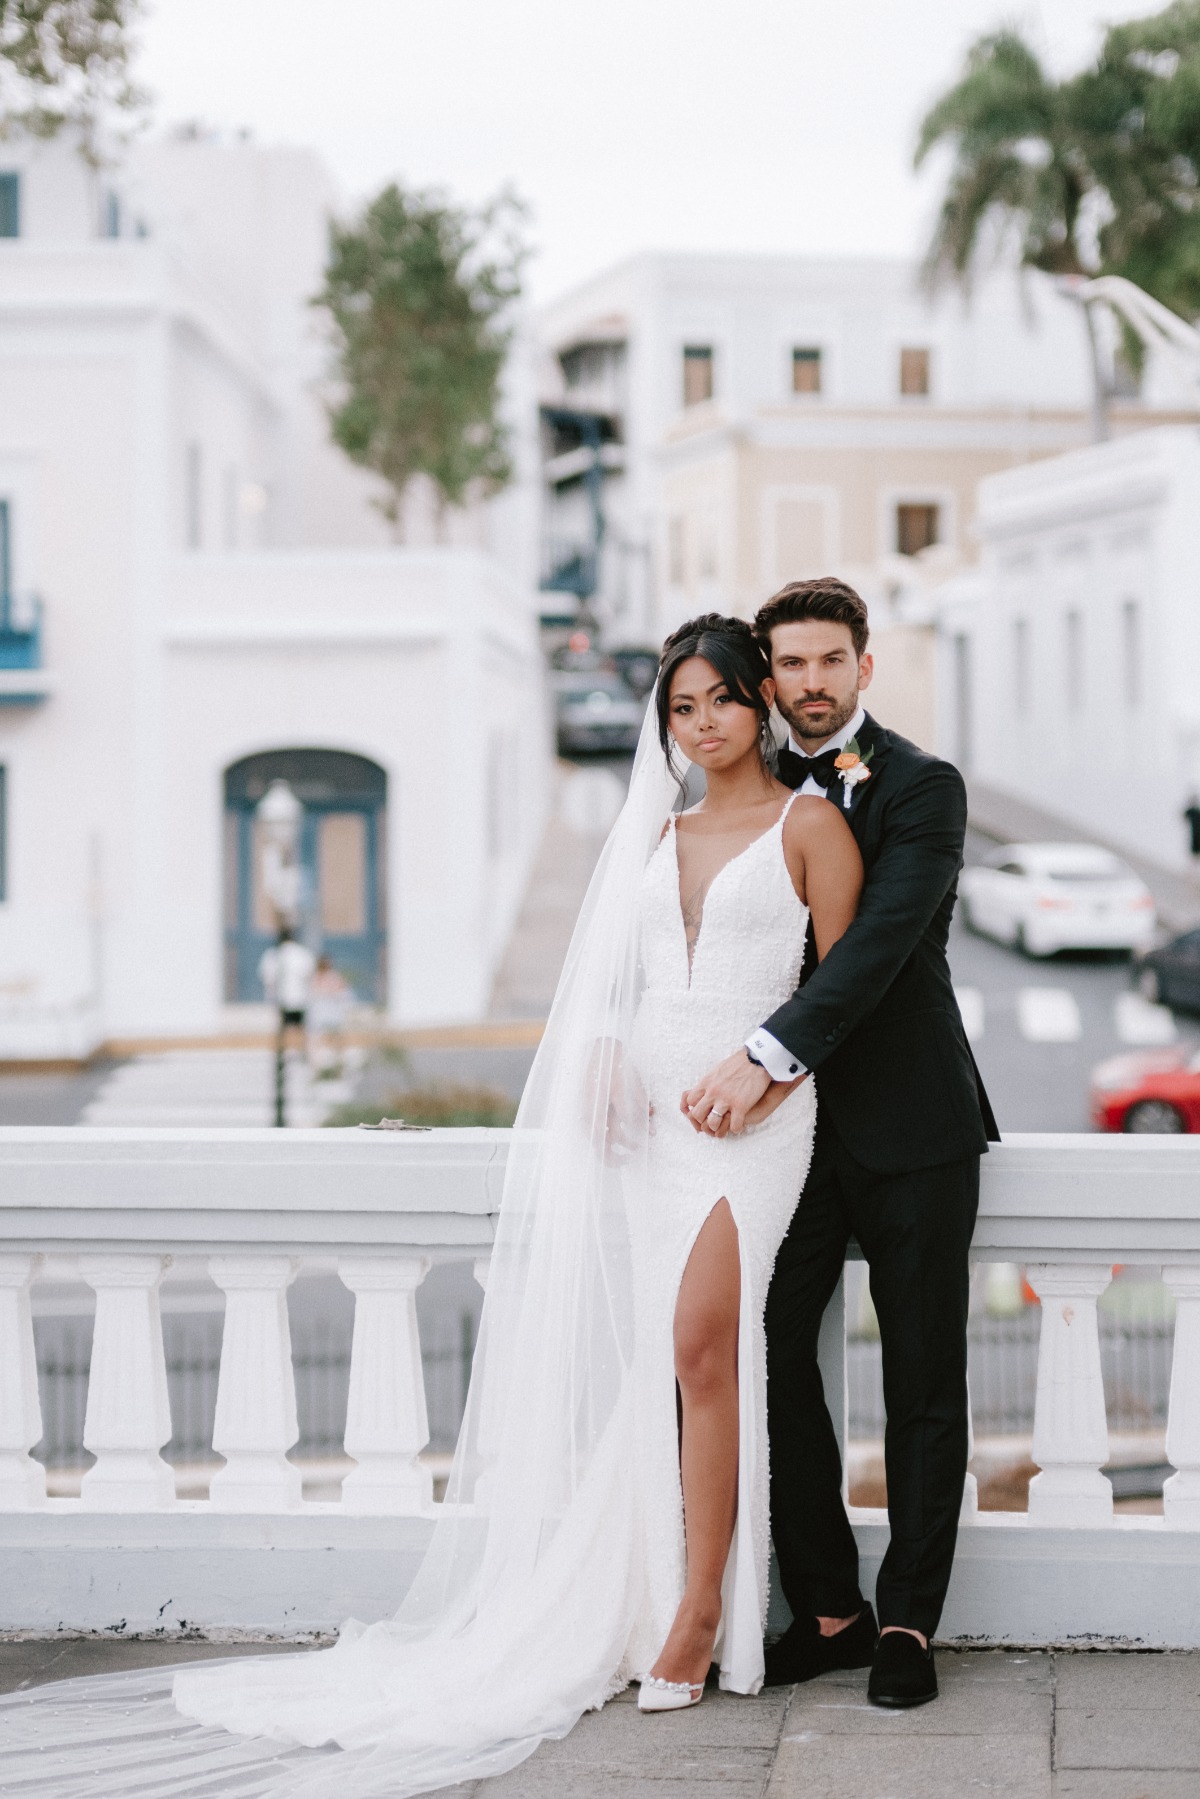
(1019, 1726)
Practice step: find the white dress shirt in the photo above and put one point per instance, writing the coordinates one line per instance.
(779, 1061)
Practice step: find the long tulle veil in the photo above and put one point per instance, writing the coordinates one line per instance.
(519, 1616)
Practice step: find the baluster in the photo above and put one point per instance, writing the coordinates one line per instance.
(386, 1422)
(484, 1443)
(255, 1421)
(1181, 1493)
(1070, 1426)
(969, 1510)
(22, 1480)
(128, 1418)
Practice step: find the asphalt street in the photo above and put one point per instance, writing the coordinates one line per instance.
(1038, 1027)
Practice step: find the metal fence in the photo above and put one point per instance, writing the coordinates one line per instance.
(1002, 1362)
(1136, 1359)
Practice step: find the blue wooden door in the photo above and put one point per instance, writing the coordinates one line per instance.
(342, 860)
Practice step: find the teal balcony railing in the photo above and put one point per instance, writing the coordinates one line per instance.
(20, 631)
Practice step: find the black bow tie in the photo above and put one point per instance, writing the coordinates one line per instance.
(795, 770)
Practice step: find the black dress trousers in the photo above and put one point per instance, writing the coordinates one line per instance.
(914, 1228)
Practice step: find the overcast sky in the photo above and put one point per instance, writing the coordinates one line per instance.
(626, 124)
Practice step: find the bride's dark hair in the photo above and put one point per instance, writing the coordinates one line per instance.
(731, 647)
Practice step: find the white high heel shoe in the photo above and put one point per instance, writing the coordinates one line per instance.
(658, 1695)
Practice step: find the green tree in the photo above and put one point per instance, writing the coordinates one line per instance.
(1097, 174)
(66, 63)
(417, 290)
(1145, 100)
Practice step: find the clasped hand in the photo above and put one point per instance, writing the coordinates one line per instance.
(737, 1093)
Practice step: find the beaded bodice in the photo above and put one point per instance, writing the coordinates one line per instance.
(750, 947)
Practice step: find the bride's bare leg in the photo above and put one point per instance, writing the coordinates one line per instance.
(706, 1367)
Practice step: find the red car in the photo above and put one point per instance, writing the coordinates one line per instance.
(1148, 1090)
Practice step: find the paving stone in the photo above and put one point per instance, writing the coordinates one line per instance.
(963, 1707)
(673, 1757)
(722, 1721)
(532, 1782)
(1092, 1783)
(39, 1660)
(926, 1767)
(22, 1663)
(1116, 1736)
(726, 1744)
(1032, 1670)
(1134, 1682)
(1127, 1727)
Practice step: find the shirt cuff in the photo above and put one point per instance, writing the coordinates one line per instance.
(779, 1062)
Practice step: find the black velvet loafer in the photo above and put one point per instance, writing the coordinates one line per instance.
(902, 1673)
(802, 1652)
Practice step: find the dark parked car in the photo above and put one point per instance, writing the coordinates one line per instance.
(639, 667)
(1170, 974)
(596, 712)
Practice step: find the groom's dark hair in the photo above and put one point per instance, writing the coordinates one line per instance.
(833, 601)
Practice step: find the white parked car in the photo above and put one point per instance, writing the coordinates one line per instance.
(1043, 897)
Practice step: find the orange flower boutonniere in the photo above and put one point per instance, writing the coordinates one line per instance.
(852, 767)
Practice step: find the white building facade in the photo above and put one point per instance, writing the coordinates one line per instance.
(1069, 663)
(200, 597)
(759, 419)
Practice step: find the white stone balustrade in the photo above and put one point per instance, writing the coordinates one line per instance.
(22, 1480)
(255, 1423)
(970, 1498)
(1181, 1494)
(128, 1418)
(386, 1422)
(1070, 1427)
(122, 1210)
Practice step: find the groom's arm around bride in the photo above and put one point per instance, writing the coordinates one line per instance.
(902, 1119)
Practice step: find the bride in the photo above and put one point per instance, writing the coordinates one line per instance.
(606, 1517)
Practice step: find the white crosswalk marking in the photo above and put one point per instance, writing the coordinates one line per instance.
(209, 1088)
(1048, 1015)
(974, 1016)
(1136, 1020)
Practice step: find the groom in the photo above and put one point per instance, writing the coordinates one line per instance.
(902, 1119)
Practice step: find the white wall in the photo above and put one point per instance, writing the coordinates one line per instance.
(1098, 730)
(165, 662)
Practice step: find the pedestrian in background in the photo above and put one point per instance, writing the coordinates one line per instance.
(286, 972)
(330, 999)
(1191, 817)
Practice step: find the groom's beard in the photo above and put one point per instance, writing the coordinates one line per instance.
(812, 730)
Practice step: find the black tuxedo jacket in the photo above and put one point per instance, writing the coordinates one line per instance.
(877, 1020)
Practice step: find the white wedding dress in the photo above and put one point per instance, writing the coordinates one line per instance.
(557, 1562)
(745, 963)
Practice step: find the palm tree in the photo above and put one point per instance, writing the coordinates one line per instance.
(1095, 175)
(1018, 163)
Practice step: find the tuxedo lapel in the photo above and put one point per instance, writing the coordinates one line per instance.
(873, 741)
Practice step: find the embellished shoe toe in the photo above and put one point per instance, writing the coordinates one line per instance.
(658, 1695)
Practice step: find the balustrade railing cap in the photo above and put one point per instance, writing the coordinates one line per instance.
(181, 1190)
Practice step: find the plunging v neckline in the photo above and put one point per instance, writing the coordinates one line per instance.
(690, 956)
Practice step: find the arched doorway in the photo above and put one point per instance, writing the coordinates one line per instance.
(343, 910)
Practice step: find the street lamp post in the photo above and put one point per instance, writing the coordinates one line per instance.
(279, 813)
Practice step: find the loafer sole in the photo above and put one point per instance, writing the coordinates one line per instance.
(892, 1704)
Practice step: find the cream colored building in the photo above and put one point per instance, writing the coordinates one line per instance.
(764, 419)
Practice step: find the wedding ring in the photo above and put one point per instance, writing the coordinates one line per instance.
(718, 1112)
